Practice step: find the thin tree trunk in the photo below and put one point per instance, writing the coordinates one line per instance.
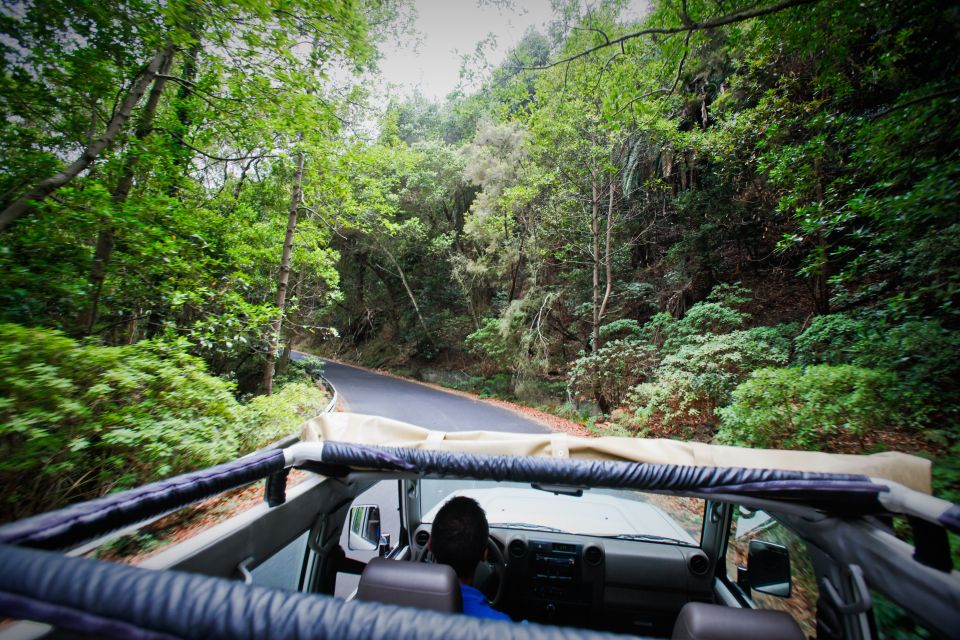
(44, 188)
(607, 260)
(268, 367)
(595, 255)
(406, 285)
(516, 270)
(105, 238)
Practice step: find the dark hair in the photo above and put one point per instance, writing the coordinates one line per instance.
(459, 535)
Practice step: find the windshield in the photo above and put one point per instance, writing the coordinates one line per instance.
(611, 513)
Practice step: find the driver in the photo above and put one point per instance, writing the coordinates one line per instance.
(459, 538)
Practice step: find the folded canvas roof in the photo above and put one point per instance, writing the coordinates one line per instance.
(911, 471)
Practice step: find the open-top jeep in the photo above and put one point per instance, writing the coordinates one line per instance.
(587, 537)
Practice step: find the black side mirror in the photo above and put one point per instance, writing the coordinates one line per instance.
(768, 568)
(364, 528)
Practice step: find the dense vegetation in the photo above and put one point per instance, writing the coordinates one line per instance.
(730, 221)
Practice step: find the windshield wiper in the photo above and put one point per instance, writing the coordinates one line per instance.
(647, 537)
(525, 525)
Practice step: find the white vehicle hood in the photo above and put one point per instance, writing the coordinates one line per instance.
(594, 514)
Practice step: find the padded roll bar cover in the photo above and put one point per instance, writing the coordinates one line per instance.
(184, 605)
(699, 621)
(411, 584)
(85, 521)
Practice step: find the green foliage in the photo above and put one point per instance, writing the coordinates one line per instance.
(920, 352)
(829, 339)
(488, 344)
(78, 420)
(266, 419)
(625, 327)
(611, 370)
(823, 407)
(698, 377)
(307, 370)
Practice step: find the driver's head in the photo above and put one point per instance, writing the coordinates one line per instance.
(459, 535)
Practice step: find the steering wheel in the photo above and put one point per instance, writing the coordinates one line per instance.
(489, 576)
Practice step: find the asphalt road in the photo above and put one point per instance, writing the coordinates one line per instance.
(374, 394)
(363, 391)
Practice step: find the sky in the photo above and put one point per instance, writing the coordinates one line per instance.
(449, 28)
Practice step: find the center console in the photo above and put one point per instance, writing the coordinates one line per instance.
(560, 585)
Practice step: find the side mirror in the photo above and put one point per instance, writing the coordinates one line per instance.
(768, 568)
(364, 528)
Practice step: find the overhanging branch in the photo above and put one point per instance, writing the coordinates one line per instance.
(688, 26)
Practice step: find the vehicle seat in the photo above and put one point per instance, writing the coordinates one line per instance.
(411, 584)
(699, 621)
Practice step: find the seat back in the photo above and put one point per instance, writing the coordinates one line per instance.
(699, 621)
(411, 584)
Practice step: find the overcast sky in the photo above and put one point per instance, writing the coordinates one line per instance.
(449, 28)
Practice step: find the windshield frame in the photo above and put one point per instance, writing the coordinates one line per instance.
(627, 515)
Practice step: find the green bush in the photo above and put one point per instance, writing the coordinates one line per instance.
(819, 408)
(830, 339)
(488, 344)
(306, 370)
(78, 419)
(699, 376)
(266, 419)
(611, 370)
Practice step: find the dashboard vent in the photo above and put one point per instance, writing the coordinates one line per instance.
(699, 564)
(421, 538)
(517, 548)
(593, 555)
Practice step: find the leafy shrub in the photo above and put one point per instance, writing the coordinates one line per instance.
(830, 339)
(716, 315)
(924, 356)
(78, 420)
(488, 344)
(266, 419)
(921, 352)
(691, 383)
(611, 370)
(820, 407)
(625, 327)
(304, 371)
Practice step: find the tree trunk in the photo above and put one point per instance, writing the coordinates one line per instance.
(44, 188)
(268, 367)
(607, 258)
(413, 300)
(595, 255)
(516, 270)
(105, 238)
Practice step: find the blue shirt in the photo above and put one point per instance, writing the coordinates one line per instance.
(475, 604)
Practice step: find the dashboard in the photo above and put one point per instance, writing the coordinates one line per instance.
(600, 583)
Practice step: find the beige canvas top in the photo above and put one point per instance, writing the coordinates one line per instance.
(908, 470)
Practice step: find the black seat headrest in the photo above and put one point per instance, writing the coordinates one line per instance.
(411, 584)
(699, 621)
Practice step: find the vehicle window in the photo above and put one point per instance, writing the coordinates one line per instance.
(759, 525)
(893, 622)
(595, 512)
(385, 494)
(285, 568)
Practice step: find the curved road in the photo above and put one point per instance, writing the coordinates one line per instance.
(374, 394)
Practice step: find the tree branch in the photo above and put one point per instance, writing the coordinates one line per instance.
(211, 156)
(910, 103)
(731, 18)
(44, 188)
